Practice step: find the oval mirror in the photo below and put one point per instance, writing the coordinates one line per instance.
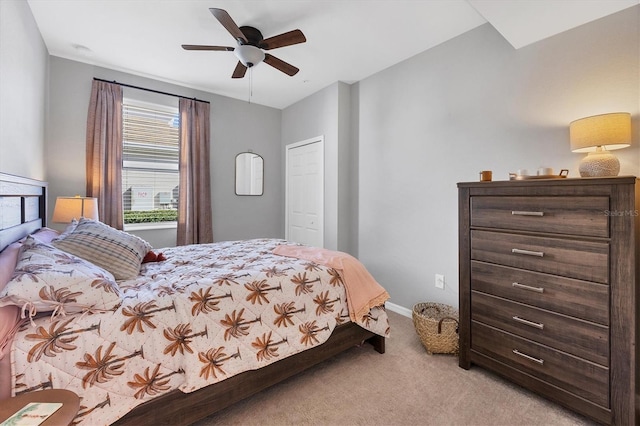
(249, 174)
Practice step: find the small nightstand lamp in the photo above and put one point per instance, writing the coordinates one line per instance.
(597, 135)
(69, 208)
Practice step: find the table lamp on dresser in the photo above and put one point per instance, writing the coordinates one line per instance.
(598, 135)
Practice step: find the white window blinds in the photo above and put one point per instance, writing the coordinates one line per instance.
(150, 162)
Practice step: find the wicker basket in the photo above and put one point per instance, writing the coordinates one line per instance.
(437, 327)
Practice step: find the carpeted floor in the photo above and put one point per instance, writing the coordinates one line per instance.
(405, 386)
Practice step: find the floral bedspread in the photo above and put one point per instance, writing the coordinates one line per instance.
(206, 313)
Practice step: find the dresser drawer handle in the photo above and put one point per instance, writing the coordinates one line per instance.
(537, 325)
(526, 213)
(528, 287)
(529, 357)
(527, 252)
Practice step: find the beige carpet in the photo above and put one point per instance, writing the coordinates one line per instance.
(405, 386)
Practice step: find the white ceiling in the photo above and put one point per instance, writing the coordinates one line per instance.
(347, 40)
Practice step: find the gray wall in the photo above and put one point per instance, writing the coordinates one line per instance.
(474, 103)
(235, 126)
(328, 113)
(23, 89)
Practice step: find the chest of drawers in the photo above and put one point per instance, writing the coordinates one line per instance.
(548, 289)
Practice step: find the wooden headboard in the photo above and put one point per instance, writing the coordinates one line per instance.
(23, 207)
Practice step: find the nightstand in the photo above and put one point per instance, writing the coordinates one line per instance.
(64, 416)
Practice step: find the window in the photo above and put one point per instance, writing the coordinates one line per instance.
(150, 162)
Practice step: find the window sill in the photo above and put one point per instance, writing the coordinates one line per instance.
(150, 226)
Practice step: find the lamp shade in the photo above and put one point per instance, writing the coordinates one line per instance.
(611, 130)
(69, 208)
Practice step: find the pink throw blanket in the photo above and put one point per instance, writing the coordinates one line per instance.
(363, 291)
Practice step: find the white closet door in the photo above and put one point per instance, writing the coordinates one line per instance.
(305, 192)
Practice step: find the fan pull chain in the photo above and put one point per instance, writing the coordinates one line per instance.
(250, 83)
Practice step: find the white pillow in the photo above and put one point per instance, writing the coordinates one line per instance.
(47, 279)
(68, 230)
(116, 251)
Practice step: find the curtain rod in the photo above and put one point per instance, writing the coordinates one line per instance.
(148, 90)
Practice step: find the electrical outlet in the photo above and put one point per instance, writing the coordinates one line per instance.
(440, 281)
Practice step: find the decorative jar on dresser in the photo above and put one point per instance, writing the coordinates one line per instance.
(548, 289)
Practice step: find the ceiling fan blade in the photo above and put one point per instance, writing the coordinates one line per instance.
(240, 71)
(202, 47)
(226, 21)
(281, 65)
(282, 40)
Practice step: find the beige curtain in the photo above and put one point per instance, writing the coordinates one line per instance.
(104, 151)
(194, 201)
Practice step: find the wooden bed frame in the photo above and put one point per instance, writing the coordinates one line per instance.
(23, 207)
(23, 210)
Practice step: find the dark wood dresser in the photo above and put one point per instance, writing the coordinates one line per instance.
(548, 288)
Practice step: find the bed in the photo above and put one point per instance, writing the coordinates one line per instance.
(241, 318)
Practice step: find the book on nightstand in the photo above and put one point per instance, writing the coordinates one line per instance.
(32, 414)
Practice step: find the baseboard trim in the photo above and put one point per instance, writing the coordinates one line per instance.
(398, 309)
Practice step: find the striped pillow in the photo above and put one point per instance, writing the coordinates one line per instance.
(116, 251)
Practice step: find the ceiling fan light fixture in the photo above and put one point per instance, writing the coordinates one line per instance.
(249, 55)
(250, 45)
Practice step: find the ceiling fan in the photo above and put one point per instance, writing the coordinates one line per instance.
(251, 45)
